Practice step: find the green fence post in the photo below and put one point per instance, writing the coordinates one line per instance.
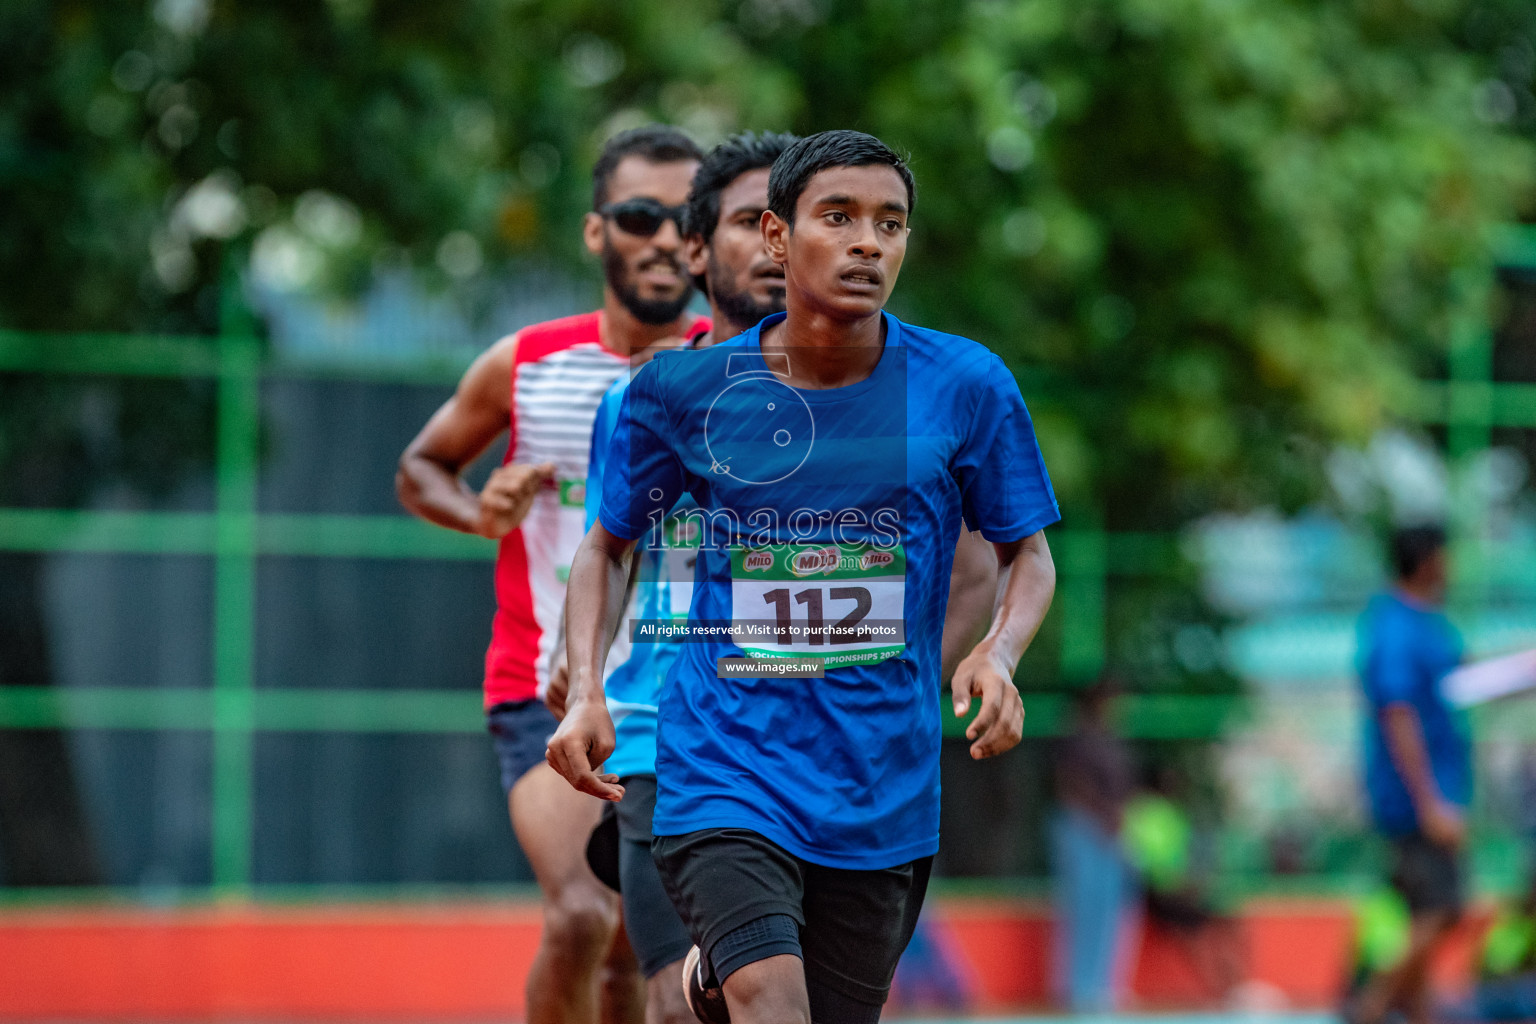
(1469, 430)
(234, 610)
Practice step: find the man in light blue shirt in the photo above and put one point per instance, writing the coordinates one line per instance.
(725, 254)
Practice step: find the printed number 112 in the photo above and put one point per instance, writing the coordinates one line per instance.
(843, 632)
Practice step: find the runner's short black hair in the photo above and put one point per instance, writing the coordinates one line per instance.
(1412, 546)
(724, 164)
(657, 143)
(842, 148)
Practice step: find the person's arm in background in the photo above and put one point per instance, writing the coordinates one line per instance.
(1029, 582)
(1394, 676)
(557, 693)
(1440, 821)
(429, 481)
(973, 593)
(594, 602)
(559, 686)
(641, 482)
(603, 425)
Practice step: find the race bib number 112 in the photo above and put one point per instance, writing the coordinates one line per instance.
(844, 603)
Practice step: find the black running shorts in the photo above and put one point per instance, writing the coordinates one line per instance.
(1427, 874)
(854, 925)
(520, 730)
(619, 853)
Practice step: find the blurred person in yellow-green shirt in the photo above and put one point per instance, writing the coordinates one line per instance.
(1159, 841)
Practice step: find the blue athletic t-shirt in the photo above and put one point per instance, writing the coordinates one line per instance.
(1405, 653)
(827, 521)
(663, 593)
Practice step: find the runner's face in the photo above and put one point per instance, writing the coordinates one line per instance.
(849, 238)
(646, 273)
(744, 282)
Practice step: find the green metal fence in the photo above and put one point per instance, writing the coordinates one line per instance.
(235, 534)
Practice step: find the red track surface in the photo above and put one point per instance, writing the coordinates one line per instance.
(458, 962)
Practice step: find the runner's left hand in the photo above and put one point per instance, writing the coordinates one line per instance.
(579, 747)
(999, 725)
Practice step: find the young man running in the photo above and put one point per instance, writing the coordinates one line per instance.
(726, 257)
(834, 453)
(543, 385)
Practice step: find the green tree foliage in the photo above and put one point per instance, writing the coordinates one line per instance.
(1214, 235)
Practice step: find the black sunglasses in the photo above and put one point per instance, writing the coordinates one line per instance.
(642, 216)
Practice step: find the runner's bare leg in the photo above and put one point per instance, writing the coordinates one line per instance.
(664, 997)
(621, 987)
(581, 915)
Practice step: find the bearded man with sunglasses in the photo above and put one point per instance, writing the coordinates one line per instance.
(729, 264)
(542, 385)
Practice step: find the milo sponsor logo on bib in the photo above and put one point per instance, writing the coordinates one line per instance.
(817, 561)
(876, 560)
(757, 561)
(844, 603)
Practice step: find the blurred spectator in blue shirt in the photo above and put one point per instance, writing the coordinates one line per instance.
(1095, 888)
(1418, 763)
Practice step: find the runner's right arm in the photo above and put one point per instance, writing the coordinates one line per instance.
(558, 690)
(594, 602)
(642, 481)
(1394, 675)
(972, 594)
(429, 479)
(603, 426)
(1027, 582)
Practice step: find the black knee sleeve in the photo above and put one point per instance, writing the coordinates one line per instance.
(759, 939)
